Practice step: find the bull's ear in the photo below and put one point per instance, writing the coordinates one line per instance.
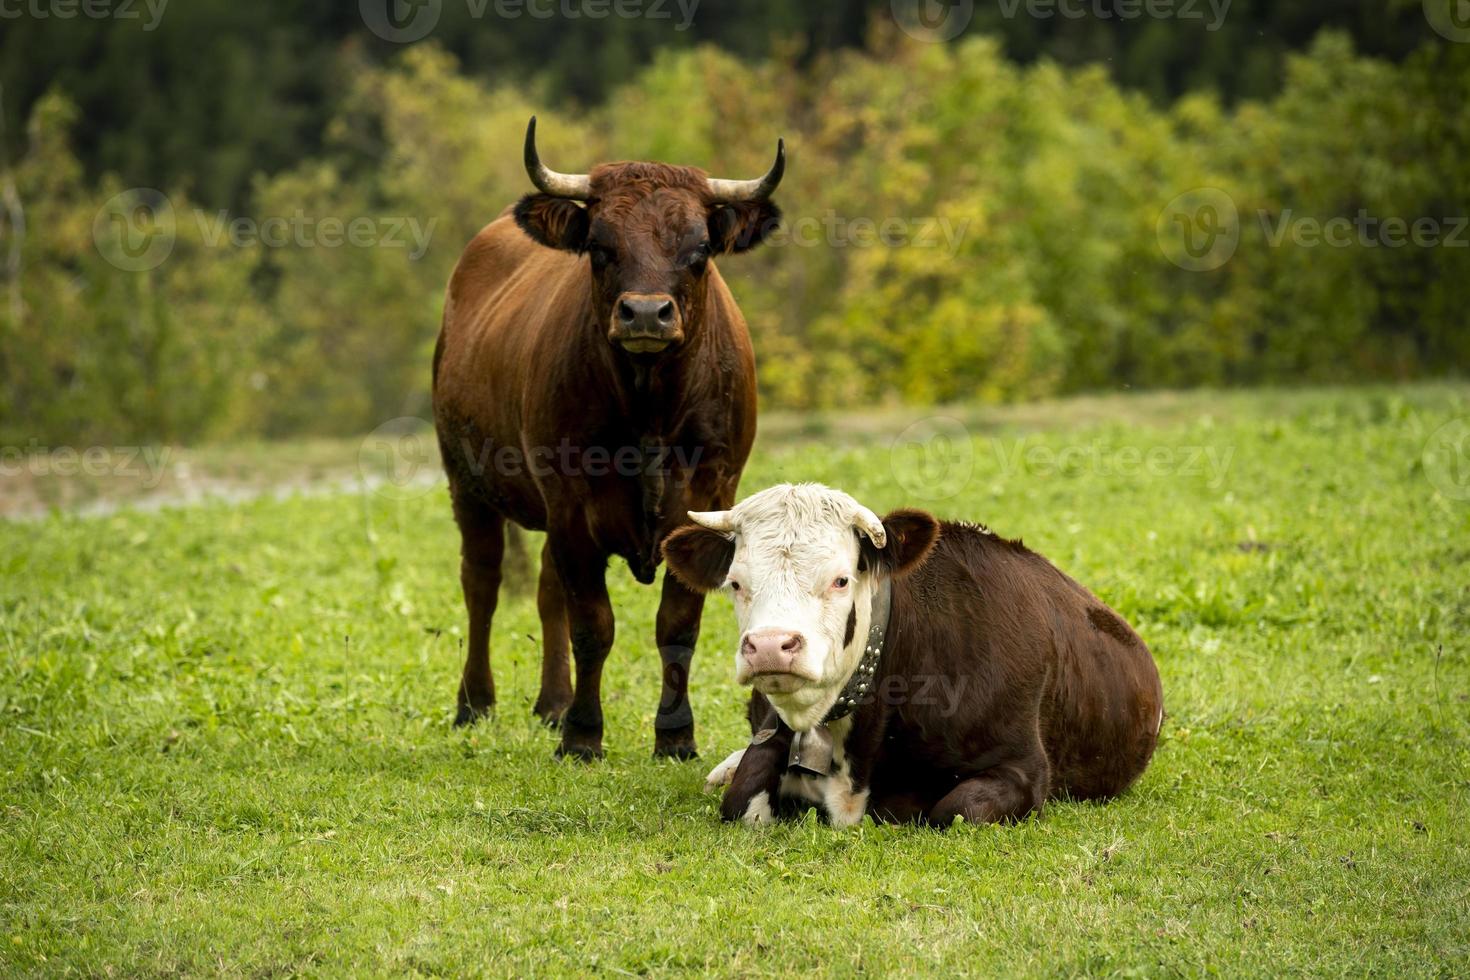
(553, 221)
(740, 227)
(698, 557)
(910, 535)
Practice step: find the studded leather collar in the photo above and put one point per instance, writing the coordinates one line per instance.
(860, 684)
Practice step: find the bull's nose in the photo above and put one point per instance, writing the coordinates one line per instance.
(645, 322)
(651, 315)
(771, 651)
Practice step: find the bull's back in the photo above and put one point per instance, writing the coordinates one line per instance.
(508, 300)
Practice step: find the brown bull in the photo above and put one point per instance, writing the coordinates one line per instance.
(594, 379)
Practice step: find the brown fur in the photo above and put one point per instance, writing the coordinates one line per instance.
(525, 364)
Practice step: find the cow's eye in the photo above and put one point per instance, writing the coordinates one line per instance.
(699, 256)
(840, 583)
(734, 586)
(601, 256)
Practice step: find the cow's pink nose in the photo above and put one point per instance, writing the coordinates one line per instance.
(771, 651)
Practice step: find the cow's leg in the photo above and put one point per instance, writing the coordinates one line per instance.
(676, 631)
(1007, 792)
(754, 793)
(556, 677)
(482, 546)
(582, 570)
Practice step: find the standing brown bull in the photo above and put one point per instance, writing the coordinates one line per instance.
(594, 379)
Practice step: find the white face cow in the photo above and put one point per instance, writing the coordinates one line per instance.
(801, 563)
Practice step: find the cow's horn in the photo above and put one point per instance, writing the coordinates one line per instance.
(868, 523)
(716, 520)
(578, 187)
(735, 191)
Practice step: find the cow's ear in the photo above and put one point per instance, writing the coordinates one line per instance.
(740, 227)
(553, 221)
(699, 557)
(910, 534)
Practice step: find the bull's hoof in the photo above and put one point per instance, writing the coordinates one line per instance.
(581, 752)
(468, 714)
(551, 713)
(675, 743)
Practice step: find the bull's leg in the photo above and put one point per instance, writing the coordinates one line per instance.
(1007, 792)
(556, 676)
(676, 631)
(482, 546)
(582, 571)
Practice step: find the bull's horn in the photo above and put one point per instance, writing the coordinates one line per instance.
(735, 191)
(578, 187)
(868, 523)
(716, 520)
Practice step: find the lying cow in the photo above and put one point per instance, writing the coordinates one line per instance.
(912, 669)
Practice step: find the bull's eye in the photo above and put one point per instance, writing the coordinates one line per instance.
(840, 583)
(734, 586)
(601, 256)
(698, 257)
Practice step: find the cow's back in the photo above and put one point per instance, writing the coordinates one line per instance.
(1019, 637)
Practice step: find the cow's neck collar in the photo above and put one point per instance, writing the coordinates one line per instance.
(860, 683)
(812, 751)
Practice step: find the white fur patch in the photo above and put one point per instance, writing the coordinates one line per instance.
(724, 773)
(758, 810)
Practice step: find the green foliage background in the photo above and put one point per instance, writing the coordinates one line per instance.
(1054, 177)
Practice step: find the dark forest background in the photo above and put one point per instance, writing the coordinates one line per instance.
(1055, 146)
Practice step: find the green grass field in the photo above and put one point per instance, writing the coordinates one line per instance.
(225, 742)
